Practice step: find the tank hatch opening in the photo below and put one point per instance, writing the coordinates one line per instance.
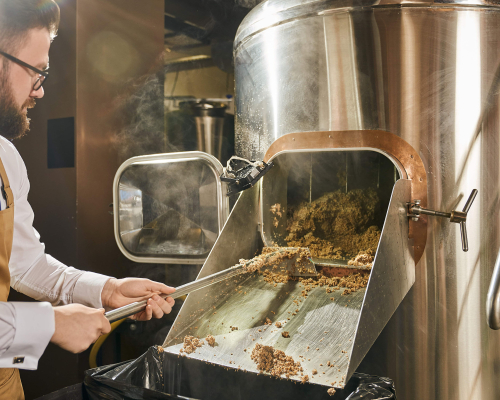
(333, 203)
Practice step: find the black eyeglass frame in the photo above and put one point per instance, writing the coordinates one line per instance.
(39, 81)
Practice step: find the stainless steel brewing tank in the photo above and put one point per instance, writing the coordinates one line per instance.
(426, 72)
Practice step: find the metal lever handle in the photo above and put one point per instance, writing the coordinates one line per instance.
(493, 298)
(459, 217)
(463, 234)
(471, 198)
(463, 228)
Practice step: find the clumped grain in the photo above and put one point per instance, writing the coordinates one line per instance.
(331, 391)
(210, 340)
(337, 225)
(364, 258)
(190, 344)
(274, 362)
(273, 257)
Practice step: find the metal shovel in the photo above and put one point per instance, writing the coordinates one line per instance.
(294, 261)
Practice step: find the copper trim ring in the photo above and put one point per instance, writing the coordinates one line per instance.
(396, 148)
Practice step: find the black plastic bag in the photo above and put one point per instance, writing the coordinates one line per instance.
(373, 388)
(161, 375)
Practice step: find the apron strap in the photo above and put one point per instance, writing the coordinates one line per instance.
(6, 190)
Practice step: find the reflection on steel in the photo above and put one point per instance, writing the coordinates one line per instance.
(209, 119)
(392, 276)
(169, 207)
(493, 299)
(322, 330)
(428, 74)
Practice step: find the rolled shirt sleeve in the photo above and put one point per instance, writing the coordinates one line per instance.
(25, 332)
(88, 289)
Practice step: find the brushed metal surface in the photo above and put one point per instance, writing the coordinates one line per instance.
(321, 331)
(392, 276)
(428, 75)
(239, 239)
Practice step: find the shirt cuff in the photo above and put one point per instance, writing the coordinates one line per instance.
(88, 289)
(35, 325)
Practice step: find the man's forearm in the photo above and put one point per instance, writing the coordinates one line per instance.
(50, 280)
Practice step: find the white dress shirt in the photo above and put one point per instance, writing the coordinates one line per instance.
(26, 328)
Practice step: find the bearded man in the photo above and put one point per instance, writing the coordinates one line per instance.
(72, 302)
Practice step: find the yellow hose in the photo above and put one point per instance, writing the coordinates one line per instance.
(97, 345)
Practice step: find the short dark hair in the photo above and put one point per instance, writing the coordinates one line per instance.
(18, 17)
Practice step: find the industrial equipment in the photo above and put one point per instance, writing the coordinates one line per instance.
(399, 98)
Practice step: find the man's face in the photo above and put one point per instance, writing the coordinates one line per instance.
(16, 83)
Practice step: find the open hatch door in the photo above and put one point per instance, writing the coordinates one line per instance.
(169, 208)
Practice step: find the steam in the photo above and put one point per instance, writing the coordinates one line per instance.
(142, 113)
(248, 3)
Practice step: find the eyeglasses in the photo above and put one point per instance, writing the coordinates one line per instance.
(43, 75)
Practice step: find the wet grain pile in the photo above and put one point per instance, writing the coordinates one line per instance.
(350, 282)
(274, 362)
(190, 344)
(274, 256)
(364, 258)
(210, 340)
(337, 225)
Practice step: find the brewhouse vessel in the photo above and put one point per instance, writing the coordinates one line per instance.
(427, 72)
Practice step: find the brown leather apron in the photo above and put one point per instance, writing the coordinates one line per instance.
(10, 381)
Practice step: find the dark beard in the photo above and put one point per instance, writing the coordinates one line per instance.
(13, 122)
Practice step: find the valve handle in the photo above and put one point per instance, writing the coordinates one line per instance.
(463, 228)
(471, 198)
(459, 217)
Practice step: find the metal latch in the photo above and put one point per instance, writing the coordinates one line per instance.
(241, 174)
(459, 217)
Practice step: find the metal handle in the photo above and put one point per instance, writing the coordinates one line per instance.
(459, 217)
(134, 308)
(469, 201)
(463, 228)
(493, 298)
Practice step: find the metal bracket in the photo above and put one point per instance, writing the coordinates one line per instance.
(245, 177)
(459, 217)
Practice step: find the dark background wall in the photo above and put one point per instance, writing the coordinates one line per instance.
(101, 46)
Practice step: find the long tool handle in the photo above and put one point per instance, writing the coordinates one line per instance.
(134, 308)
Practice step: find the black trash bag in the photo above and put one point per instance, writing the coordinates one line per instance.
(373, 388)
(161, 375)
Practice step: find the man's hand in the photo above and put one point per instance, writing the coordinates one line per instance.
(77, 327)
(120, 292)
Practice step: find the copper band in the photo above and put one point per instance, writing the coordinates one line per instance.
(397, 149)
